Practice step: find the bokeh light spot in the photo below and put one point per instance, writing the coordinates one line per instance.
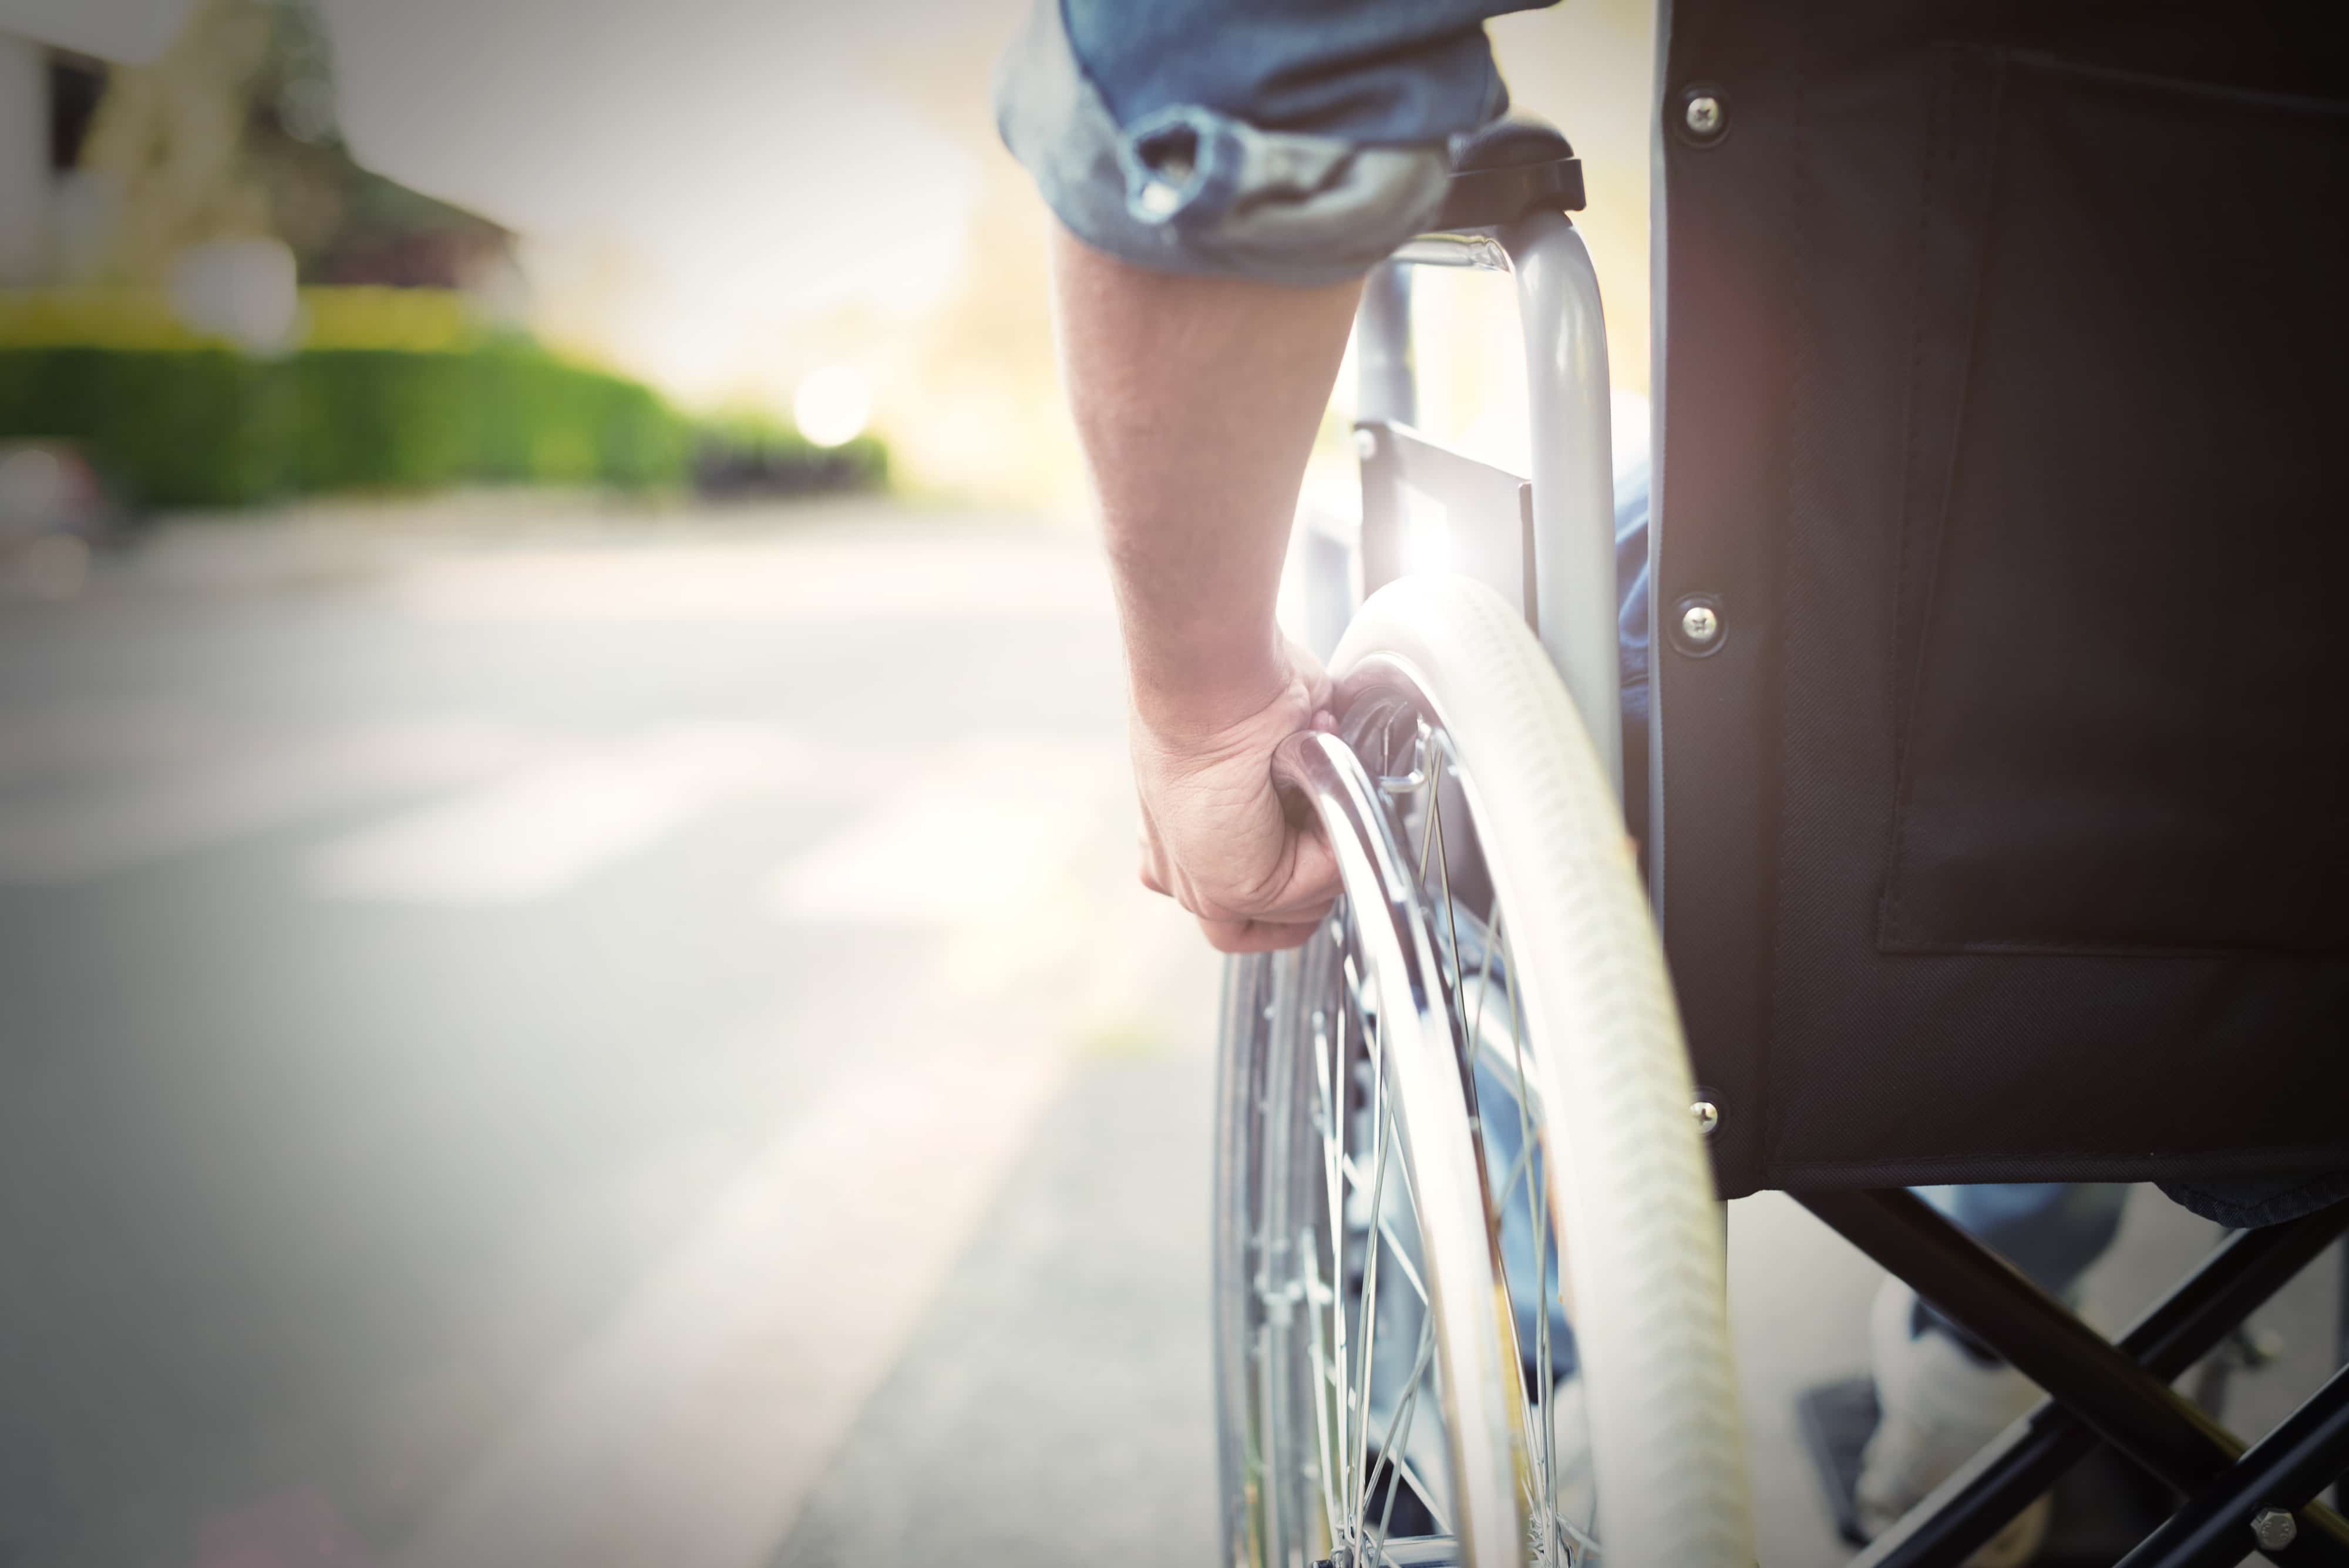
(832, 406)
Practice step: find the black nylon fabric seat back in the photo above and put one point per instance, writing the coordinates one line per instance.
(2003, 833)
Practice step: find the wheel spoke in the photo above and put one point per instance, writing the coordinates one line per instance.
(1328, 1373)
(1430, 831)
(1340, 1117)
(1443, 874)
(1485, 979)
(1354, 992)
(1395, 1247)
(1403, 1467)
(1518, 1168)
(1398, 1427)
(1451, 920)
(1574, 1535)
(1536, 1204)
(1382, 1120)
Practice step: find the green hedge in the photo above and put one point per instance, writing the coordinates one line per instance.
(749, 457)
(190, 428)
(199, 427)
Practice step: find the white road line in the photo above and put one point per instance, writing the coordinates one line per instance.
(80, 837)
(985, 830)
(691, 1430)
(544, 829)
(689, 1433)
(787, 581)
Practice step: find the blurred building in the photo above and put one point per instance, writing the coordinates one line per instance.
(53, 63)
(128, 148)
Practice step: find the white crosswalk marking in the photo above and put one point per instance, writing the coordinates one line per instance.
(543, 830)
(982, 835)
(74, 837)
(799, 583)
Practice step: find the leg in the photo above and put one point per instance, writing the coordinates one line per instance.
(1941, 1395)
(2051, 1231)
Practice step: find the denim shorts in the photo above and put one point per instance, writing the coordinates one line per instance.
(1295, 141)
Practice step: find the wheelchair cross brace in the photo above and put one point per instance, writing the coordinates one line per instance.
(2119, 1394)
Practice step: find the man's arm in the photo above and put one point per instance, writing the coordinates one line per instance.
(1225, 170)
(1196, 399)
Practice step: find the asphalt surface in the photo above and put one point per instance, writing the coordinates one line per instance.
(554, 1039)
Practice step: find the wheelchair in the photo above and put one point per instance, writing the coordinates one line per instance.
(1470, 1288)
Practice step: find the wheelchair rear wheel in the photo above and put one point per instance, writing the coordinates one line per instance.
(1469, 1287)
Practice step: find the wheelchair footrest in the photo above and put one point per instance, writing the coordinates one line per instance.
(2103, 1508)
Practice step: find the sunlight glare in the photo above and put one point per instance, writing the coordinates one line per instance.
(1427, 535)
(832, 406)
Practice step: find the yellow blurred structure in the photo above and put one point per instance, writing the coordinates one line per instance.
(169, 144)
(419, 320)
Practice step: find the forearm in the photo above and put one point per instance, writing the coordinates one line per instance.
(1196, 400)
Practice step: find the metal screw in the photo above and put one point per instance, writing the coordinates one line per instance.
(1704, 116)
(1707, 1114)
(1699, 624)
(1340, 1558)
(1366, 444)
(2274, 1529)
(1159, 200)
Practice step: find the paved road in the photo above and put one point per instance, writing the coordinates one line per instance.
(572, 1043)
(509, 1033)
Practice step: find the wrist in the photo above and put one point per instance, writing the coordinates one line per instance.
(1186, 719)
(1183, 701)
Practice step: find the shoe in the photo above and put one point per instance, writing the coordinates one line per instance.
(1938, 1404)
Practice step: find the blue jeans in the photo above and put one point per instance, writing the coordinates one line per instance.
(2051, 1231)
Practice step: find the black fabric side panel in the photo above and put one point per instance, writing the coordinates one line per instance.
(2125, 522)
(2030, 1069)
(1837, 478)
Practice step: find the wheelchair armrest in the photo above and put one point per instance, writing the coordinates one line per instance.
(1512, 167)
